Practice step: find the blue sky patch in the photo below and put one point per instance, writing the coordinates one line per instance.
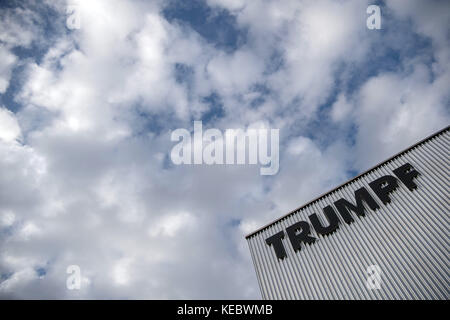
(217, 26)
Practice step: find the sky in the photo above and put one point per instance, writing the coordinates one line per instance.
(86, 116)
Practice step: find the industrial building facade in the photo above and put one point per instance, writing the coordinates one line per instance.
(382, 235)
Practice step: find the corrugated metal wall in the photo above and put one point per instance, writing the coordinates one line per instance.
(407, 238)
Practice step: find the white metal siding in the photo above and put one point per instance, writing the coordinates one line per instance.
(407, 238)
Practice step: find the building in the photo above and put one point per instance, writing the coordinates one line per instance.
(382, 235)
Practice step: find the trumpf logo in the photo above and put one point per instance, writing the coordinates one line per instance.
(299, 232)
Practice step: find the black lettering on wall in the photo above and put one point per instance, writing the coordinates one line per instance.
(361, 196)
(383, 187)
(303, 236)
(406, 173)
(333, 221)
(277, 243)
(301, 231)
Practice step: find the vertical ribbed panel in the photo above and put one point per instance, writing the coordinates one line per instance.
(407, 238)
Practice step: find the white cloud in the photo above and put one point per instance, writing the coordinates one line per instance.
(16, 27)
(9, 130)
(169, 225)
(341, 108)
(7, 218)
(394, 111)
(7, 61)
(19, 27)
(235, 73)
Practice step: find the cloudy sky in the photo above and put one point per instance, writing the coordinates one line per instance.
(86, 115)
